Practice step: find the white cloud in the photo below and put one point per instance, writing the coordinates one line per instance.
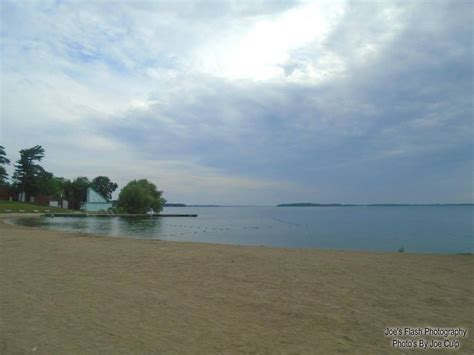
(259, 50)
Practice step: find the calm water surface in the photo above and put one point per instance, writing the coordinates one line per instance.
(421, 229)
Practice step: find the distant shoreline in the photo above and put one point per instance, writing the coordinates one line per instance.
(308, 204)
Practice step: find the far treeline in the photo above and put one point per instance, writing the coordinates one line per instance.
(32, 180)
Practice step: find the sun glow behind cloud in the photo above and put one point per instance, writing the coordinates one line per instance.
(262, 51)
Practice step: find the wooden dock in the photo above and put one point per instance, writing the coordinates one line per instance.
(82, 215)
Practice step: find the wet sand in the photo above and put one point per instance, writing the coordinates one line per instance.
(69, 293)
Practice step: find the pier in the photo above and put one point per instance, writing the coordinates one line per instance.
(81, 215)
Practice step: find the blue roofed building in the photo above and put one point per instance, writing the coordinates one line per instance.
(95, 202)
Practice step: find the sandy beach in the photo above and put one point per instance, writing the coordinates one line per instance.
(69, 293)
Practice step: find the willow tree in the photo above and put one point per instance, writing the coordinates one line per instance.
(139, 196)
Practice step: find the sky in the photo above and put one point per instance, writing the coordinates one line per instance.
(246, 102)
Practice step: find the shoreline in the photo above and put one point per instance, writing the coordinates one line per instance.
(69, 292)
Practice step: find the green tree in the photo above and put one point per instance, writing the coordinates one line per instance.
(138, 196)
(27, 171)
(3, 161)
(76, 191)
(50, 185)
(104, 186)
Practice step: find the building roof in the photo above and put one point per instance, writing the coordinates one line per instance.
(94, 197)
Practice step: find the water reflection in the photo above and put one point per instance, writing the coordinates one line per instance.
(416, 229)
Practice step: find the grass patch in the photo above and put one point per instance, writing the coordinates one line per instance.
(18, 207)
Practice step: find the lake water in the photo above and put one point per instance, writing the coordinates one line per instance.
(420, 229)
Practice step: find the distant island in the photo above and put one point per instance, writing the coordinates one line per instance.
(310, 204)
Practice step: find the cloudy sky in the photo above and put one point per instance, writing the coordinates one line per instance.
(246, 102)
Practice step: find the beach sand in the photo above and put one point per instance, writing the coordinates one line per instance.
(69, 293)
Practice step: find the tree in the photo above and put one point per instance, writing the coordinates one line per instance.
(138, 196)
(76, 191)
(104, 186)
(27, 172)
(50, 185)
(3, 161)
